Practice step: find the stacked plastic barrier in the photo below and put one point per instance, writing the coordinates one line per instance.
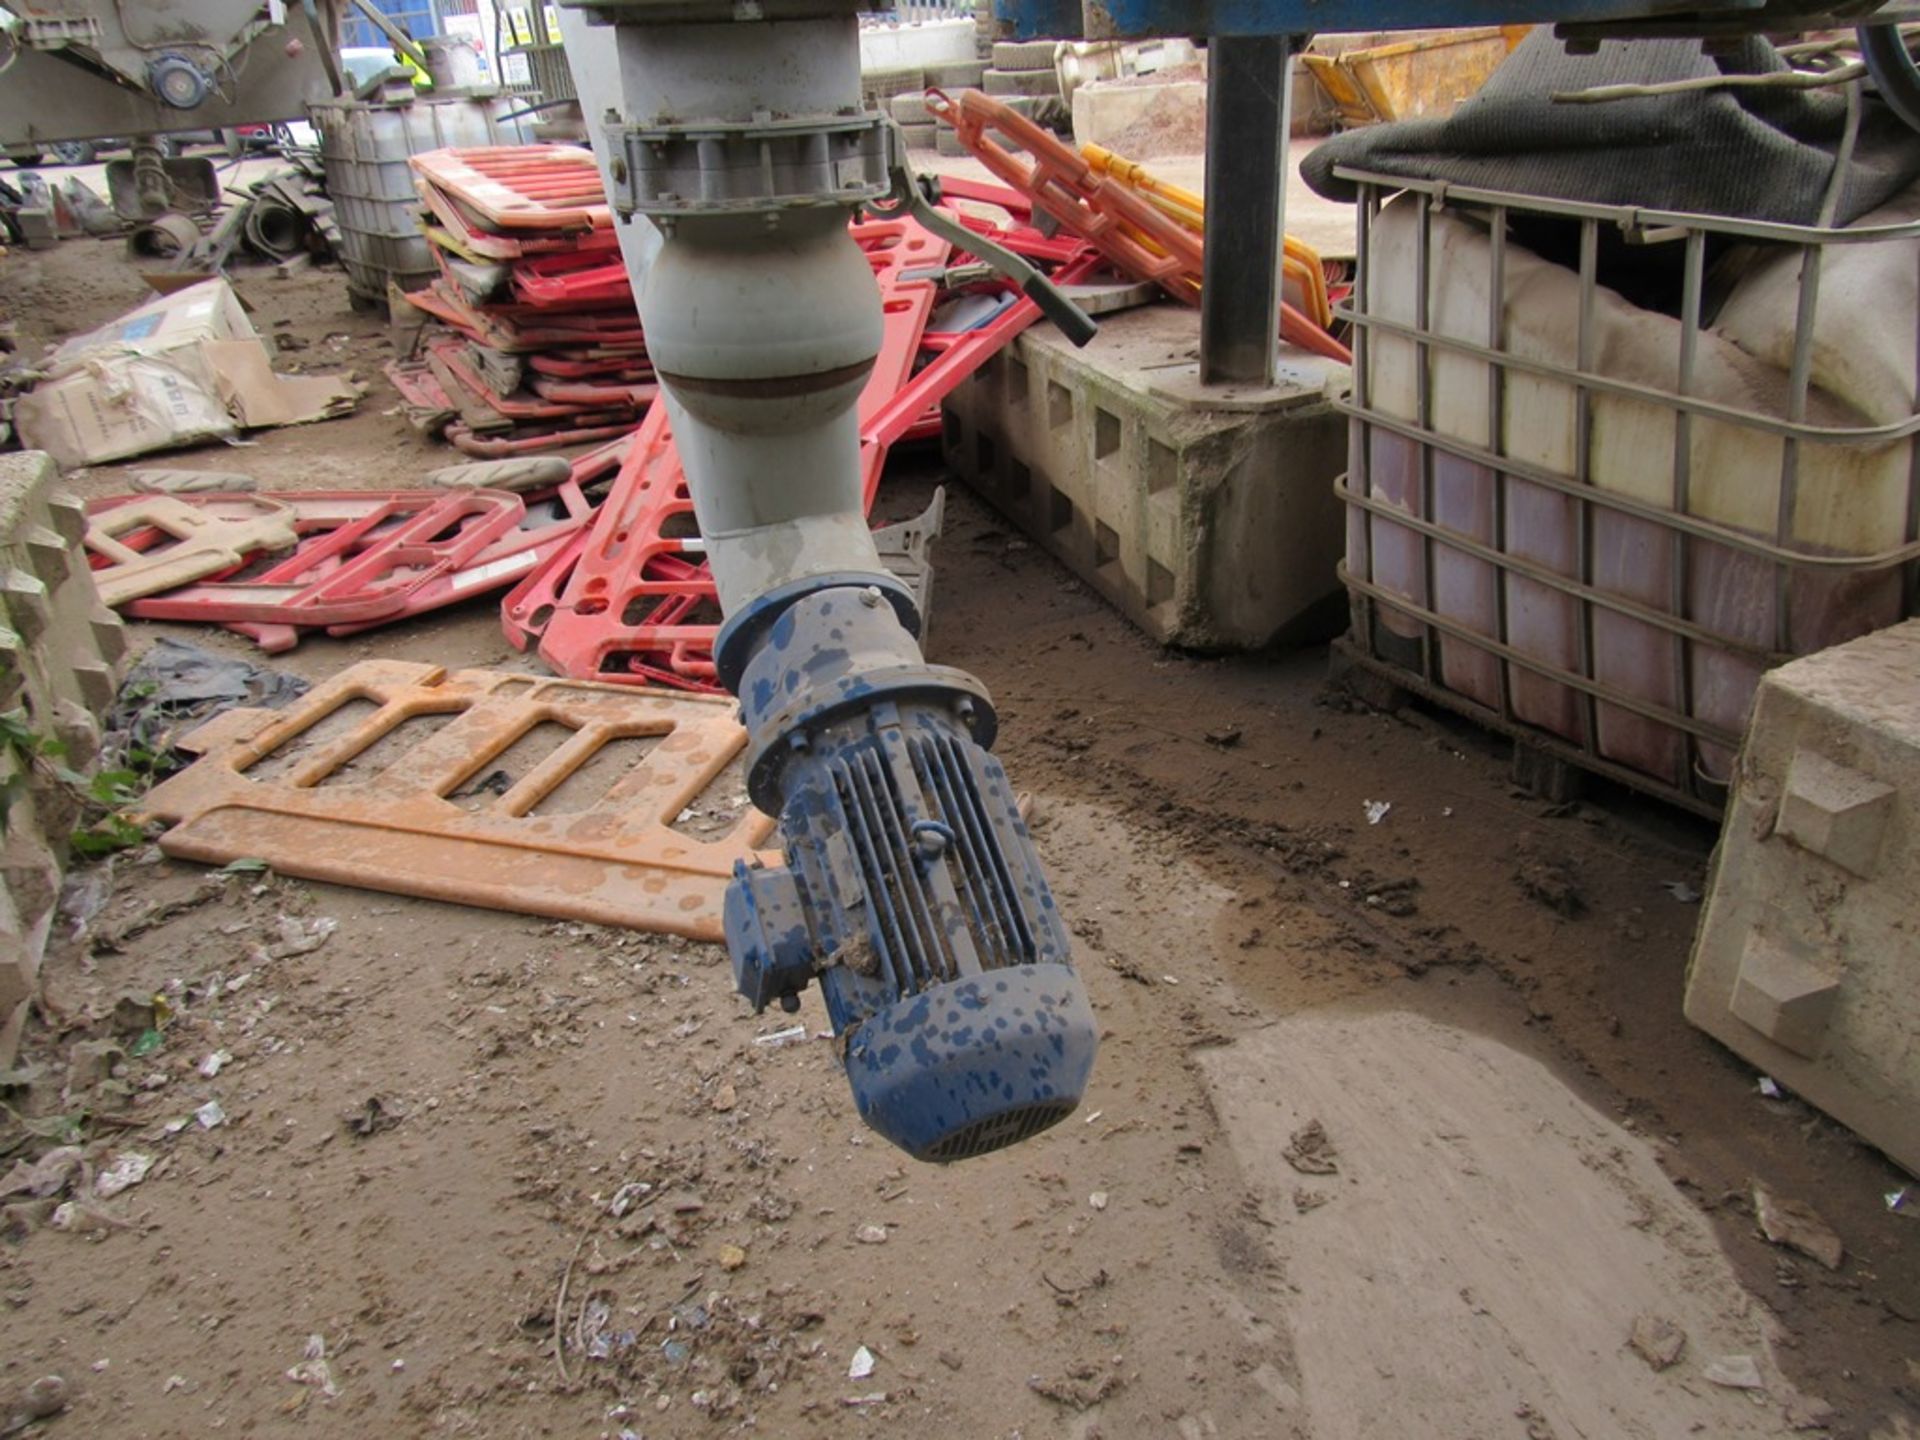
(543, 345)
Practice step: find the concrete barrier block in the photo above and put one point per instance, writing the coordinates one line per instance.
(62, 656)
(1102, 110)
(1806, 962)
(1206, 517)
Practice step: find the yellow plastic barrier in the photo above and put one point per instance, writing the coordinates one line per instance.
(1301, 270)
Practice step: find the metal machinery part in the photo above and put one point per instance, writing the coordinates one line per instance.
(1252, 42)
(87, 69)
(911, 891)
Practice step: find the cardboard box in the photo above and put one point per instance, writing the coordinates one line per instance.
(180, 370)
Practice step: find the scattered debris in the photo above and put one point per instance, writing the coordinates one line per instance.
(1794, 1224)
(1305, 1199)
(1658, 1340)
(780, 1038)
(1549, 879)
(1807, 1412)
(190, 482)
(127, 1169)
(1735, 1372)
(1900, 1201)
(1769, 1088)
(46, 1177)
(300, 937)
(1225, 738)
(180, 370)
(175, 687)
(1681, 891)
(862, 1365)
(724, 1098)
(1081, 1388)
(80, 1217)
(1376, 810)
(210, 1115)
(627, 1197)
(871, 1234)
(314, 1370)
(1098, 1199)
(1311, 1150)
(214, 1064)
(732, 1257)
(42, 1400)
(370, 1117)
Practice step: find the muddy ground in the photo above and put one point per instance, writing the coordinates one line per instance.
(406, 1223)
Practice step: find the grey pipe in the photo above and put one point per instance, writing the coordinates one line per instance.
(763, 325)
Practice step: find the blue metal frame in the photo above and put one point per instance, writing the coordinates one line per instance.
(1139, 18)
(419, 18)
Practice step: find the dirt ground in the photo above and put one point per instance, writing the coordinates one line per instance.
(1395, 1131)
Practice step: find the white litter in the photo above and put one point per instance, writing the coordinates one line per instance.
(313, 1369)
(126, 1171)
(214, 1063)
(778, 1038)
(1768, 1088)
(210, 1115)
(1376, 810)
(1735, 1372)
(1681, 891)
(862, 1366)
(627, 1196)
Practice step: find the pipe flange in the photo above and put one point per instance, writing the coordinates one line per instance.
(716, 168)
(745, 631)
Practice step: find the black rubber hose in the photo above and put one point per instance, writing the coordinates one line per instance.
(1892, 67)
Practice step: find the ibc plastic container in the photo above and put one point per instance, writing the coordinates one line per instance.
(1594, 525)
(364, 146)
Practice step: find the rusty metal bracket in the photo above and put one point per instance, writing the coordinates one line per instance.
(563, 798)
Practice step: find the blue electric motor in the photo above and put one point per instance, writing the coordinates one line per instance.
(911, 890)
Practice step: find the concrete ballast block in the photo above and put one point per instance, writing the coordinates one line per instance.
(61, 661)
(1835, 812)
(1104, 110)
(1207, 517)
(1807, 962)
(1784, 996)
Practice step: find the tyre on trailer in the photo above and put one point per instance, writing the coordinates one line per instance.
(1023, 54)
(958, 75)
(1021, 82)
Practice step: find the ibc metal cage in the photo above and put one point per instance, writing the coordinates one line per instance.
(1518, 550)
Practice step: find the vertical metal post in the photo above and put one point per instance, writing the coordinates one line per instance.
(1249, 108)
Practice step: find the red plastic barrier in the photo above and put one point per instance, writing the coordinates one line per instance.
(363, 556)
(631, 600)
(626, 602)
